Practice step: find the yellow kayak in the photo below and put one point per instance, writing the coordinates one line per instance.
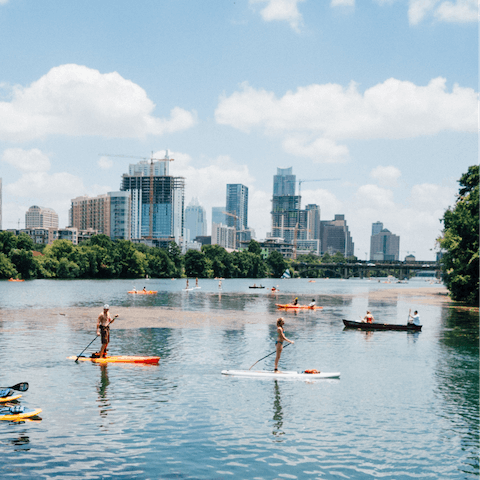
(18, 413)
(119, 359)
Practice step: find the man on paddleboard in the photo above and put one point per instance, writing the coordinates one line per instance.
(103, 328)
(279, 343)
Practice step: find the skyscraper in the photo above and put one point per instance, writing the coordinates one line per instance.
(91, 213)
(41, 217)
(335, 237)
(384, 245)
(377, 227)
(157, 200)
(284, 182)
(237, 206)
(195, 220)
(286, 214)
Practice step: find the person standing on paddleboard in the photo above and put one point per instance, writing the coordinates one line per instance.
(281, 338)
(103, 328)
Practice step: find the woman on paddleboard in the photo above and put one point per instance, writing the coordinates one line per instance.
(281, 338)
(103, 328)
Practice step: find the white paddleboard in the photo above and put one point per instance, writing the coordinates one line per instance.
(281, 374)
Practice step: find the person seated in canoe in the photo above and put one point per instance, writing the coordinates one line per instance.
(134, 290)
(415, 318)
(295, 301)
(312, 303)
(144, 290)
(280, 339)
(103, 328)
(254, 285)
(368, 317)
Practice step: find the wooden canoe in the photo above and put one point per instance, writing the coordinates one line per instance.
(410, 327)
(290, 306)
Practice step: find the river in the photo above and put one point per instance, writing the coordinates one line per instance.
(405, 407)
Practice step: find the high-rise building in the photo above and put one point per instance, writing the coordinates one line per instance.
(313, 221)
(377, 227)
(335, 237)
(384, 246)
(107, 214)
(120, 210)
(41, 217)
(237, 206)
(157, 200)
(195, 221)
(288, 220)
(218, 215)
(284, 182)
(91, 213)
(0, 203)
(223, 235)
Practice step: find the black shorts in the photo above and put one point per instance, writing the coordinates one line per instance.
(105, 331)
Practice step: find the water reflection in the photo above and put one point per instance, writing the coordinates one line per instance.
(103, 401)
(457, 375)
(277, 413)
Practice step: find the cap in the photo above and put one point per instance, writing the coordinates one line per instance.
(106, 307)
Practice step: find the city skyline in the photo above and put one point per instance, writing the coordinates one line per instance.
(381, 95)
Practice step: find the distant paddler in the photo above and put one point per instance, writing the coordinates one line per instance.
(368, 318)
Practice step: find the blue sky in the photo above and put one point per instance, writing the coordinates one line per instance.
(380, 94)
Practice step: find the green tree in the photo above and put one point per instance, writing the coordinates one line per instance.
(159, 264)
(7, 268)
(67, 269)
(196, 264)
(219, 260)
(460, 241)
(254, 247)
(276, 263)
(175, 254)
(130, 262)
(8, 241)
(24, 262)
(24, 242)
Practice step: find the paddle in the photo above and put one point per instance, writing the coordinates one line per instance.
(408, 318)
(21, 387)
(268, 356)
(94, 339)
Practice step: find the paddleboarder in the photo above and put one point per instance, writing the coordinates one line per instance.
(103, 328)
(279, 343)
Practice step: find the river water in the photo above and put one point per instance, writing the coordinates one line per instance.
(405, 407)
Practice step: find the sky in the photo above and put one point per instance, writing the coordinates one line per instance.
(373, 103)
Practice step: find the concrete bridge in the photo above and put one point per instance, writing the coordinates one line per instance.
(400, 270)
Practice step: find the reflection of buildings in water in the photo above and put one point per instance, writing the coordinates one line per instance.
(277, 412)
(102, 390)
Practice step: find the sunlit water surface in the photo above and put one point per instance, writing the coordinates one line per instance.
(406, 405)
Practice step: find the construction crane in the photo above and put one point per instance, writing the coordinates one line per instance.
(166, 159)
(232, 215)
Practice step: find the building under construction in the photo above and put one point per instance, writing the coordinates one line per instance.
(157, 201)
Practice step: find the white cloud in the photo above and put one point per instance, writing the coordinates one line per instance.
(75, 100)
(313, 119)
(37, 186)
(459, 11)
(386, 176)
(281, 10)
(105, 163)
(27, 161)
(342, 3)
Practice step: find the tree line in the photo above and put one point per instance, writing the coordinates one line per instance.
(100, 257)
